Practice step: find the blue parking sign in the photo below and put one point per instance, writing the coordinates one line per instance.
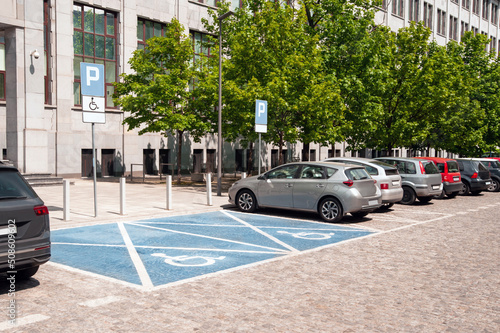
(92, 79)
(261, 112)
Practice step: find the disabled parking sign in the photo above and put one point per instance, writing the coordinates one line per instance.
(92, 85)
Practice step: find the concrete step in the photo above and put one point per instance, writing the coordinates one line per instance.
(42, 179)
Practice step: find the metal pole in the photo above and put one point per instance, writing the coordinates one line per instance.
(209, 189)
(122, 196)
(260, 161)
(94, 169)
(168, 181)
(219, 133)
(66, 200)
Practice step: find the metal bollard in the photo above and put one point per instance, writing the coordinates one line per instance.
(122, 196)
(66, 200)
(243, 175)
(209, 189)
(168, 181)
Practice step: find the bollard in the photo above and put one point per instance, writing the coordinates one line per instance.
(122, 196)
(168, 181)
(66, 200)
(243, 175)
(209, 189)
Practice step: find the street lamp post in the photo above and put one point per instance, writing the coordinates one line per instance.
(219, 140)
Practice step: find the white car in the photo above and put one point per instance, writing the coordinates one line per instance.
(387, 177)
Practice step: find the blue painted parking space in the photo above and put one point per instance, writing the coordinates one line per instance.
(160, 251)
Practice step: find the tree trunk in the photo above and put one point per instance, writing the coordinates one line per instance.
(179, 155)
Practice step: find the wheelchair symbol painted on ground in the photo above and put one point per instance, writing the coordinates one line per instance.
(188, 261)
(309, 235)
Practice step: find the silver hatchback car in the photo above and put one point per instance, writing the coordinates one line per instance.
(330, 189)
(421, 178)
(387, 177)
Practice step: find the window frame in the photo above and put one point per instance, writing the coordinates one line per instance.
(3, 74)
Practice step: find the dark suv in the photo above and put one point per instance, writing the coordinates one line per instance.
(24, 226)
(493, 167)
(475, 176)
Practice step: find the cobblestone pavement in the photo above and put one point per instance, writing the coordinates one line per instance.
(430, 268)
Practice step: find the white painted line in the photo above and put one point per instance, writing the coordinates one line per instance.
(208, 237)
(139, 265)
(87, 244)
(100, 301)
(31, 319)
(274, 239)
(472, 210)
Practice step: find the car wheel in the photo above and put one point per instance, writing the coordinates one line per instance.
(386, 206)
(330, 210)
(452, 194)
(409, 196)
(424, 199)
(246, 201)
(495, 186)
(440, 195)
(24, 274)
(465, 189)
(359, 214)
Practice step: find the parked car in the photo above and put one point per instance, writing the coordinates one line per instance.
(387, 177)
(493, 167)
(421, 178)
(450, 175)
(24, 226)
(330, 189)
(475, 176)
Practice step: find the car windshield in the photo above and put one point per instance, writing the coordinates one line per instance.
(12, 186)
(452, 166)
(357, 174)
(429, 167)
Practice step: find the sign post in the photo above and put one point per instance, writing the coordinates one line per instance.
(260, 122)
(92, 83)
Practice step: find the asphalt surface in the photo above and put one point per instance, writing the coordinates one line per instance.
(423, 268)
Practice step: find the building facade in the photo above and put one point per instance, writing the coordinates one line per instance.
(42, 43)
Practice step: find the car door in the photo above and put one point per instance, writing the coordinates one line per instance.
(277, 188)
(309, 187)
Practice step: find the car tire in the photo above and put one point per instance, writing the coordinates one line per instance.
(246, 202)
(465, 189)
(495, 186)
(425, 199)
(409, 196)
(26, 273)
(359, 215)
(330, 210)
(386, 206)
(452, 195)
(440, 195)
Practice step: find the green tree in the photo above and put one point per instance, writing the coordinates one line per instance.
(157, 94)
(270, 55)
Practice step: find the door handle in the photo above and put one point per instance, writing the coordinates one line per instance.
(320, 185)
(288, 185)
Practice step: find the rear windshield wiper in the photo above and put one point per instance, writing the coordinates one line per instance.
(13, 197)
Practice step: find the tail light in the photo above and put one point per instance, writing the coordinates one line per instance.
(384, 186)
(349, 183)
(474, 176)
(422, 169)
(41, 210)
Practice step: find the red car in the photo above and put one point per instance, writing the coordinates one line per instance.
(450, 174)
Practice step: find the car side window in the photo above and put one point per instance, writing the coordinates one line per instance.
(312, 172)
(410, 168)
(461, 165)
(330, 172)
(440, 167)
(285, 172)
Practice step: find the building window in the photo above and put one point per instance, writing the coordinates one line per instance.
(475, 30)
(147, 29)
(212, 3)
(466, 4)
(493, 43)
(414, 10)
(464, 27)
(398, 7)
(95, 41)
(494, 14)
(485, 9)
(454, 1)
(2, 67)
(46, 45)
(428, 15)
(475, 7)
(453, 28)
(441, 22)
(201, 45)
(237, 4)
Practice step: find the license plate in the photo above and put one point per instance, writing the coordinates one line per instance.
(372, 202)
(456, 179)
(435, 187)
(6, 230)
(488, 183)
